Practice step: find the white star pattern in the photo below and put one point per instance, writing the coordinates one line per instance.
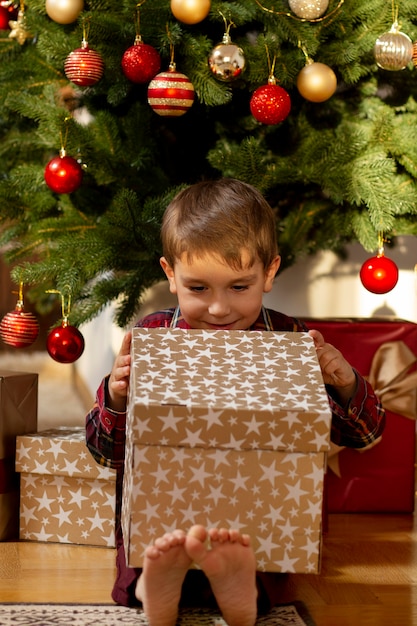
(243, 419)
(63, 485)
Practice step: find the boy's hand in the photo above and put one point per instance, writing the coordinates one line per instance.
(335, 369)
(119, 377)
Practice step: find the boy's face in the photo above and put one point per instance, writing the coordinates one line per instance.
(213, 295)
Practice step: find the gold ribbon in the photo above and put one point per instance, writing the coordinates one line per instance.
(393, 383)
(392, 380)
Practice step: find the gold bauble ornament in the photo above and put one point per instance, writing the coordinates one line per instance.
(190, 11)
(64, 11)
(393, 51)
(309, 9)
(316, 82)
(227, 61)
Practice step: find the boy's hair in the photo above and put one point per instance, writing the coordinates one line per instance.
(221, 217)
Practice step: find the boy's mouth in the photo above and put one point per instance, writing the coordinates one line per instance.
(221, 326)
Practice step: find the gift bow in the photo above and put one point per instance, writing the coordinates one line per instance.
(392, 380)
(393, 383)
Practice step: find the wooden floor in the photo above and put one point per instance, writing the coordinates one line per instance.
(368, 578)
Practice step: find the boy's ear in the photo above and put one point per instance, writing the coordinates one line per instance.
(270, 274)
(169, 273)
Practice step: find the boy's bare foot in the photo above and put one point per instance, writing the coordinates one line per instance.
(159, 586)
(230, 566)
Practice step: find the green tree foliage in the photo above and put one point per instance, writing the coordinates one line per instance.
(338, 171)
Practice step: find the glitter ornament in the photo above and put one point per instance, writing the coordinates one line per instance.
(394, 50)
(308, 9)
(19, 328)
(170, 94)
(316, 82)
(227, 61)
(63, 174)
(379, 274)
(141, 62)
(65, 343)
(84, 66)
(64, 11)
(270, 104)
(190, 11)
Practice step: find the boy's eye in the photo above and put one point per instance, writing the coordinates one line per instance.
(197, 289)
(240, 287)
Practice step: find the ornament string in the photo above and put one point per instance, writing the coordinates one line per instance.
(65, 304)
(396, 26)
(62, 151)
(172, 64)
(301, 19)
(138, 38)
(395, 12)
(227, 27)
(19, 303)
(271, 67)
(86, 31)
(303, 49)
(380, 244)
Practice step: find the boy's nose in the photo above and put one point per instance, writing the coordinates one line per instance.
(219, 307)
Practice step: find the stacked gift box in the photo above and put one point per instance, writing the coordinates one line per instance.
(381, 478)
(227, 429)
(66, 496)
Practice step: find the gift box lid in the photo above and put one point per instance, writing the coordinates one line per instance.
(227, 389)
(60, 452)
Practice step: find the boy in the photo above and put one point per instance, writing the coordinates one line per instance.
(220, 256)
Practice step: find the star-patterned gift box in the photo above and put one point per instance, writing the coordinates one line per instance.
(18, 415)
(227, 428)
(65, 496)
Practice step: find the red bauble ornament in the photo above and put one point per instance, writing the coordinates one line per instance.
(65, 343)
(84, 66)
(171, 93)
(141, 62)
(6, 14)
(18, 328)
(63, 174)
(379, 274)
(270, 104)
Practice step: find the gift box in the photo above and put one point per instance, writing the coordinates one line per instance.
(227, 429)
(379, 478)
(18, 415)
(65, 496)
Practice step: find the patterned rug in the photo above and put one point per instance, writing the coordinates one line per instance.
(109, 615)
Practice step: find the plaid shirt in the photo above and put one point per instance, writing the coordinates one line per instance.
(356, 426)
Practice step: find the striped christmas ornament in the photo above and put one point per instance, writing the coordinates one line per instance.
(170, 93)
(84, 66)
(19, 328)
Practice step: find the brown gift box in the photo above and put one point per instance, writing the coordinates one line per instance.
(227, 429)
(65, 496)
(18, 415)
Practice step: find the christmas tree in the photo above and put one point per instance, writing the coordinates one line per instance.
(330, 139)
